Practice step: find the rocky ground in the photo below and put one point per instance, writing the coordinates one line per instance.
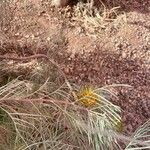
(116, 51)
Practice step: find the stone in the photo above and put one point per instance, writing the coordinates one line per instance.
(60, 3)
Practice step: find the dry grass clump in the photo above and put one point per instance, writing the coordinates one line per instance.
(45, 111)
(94, 20)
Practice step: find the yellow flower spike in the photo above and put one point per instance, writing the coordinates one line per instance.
(87, 97)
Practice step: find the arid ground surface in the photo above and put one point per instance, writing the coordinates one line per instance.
(115, 51)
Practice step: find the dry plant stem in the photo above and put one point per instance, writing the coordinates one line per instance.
(62, 102)
(114, 134)
(46, 101)
(41, 56)
(26, 58)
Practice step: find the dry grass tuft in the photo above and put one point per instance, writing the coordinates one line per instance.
(92, 19)
(44, 113)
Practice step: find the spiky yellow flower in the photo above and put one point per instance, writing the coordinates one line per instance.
(87, 97)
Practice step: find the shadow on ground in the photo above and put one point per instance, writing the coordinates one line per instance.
(142, 6)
